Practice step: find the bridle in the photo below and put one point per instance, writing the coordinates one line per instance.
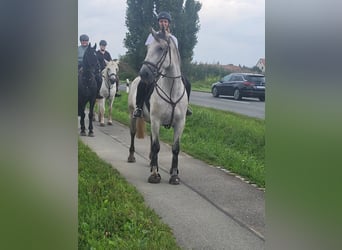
(108, 83)
(156, 67)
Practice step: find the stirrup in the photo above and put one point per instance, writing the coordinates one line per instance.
(137, 112)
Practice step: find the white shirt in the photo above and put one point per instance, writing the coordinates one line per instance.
(150, 39)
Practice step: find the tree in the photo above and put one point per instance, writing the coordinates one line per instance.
(187, 29)
(141, 15)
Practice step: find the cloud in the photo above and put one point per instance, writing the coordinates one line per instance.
(230, 31)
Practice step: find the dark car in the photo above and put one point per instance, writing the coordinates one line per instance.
(240, 85)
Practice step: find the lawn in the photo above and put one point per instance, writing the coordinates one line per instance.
(111, 212)
(220, 138)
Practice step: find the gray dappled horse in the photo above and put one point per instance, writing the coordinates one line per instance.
(108, 90)
(167, 104)
(87, 88)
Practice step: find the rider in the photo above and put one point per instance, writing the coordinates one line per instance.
(84, 40)
(164, 20)
(102, 55)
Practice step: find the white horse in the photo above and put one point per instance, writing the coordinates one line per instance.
(108, 90)
(167, 104)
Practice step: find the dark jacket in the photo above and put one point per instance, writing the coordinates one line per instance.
(101, 57)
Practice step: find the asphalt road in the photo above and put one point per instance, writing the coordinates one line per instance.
(210, 209)
(247, 106)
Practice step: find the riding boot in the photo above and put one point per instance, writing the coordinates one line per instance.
(187, 86)
(141, 89)
(98, 79)
(117, 94)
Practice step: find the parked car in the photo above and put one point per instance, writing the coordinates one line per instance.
(240, 85)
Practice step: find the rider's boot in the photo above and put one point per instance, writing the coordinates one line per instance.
(117, 94)
(98, 79)
(188, 111)
(188, 89)
(139, 99)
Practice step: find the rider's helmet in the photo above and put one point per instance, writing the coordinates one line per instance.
(84, 37)
(164, 15)
(103, 43)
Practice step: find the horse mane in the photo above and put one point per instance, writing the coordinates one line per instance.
(86, 55)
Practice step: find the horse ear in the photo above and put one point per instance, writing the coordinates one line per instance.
(95, 46)
(163, 34)
(154, 34)
(106, 62)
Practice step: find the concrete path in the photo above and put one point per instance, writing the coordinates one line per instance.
(210, 209)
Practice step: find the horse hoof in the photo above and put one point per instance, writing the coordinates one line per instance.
(154, 178)
(83, 133)
(102, 124)
(174, 180)
(109, 123)
(131, 159)
(91, 134)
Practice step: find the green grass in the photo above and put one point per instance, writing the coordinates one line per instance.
(220, 138)
(112, 214)
(204, 85)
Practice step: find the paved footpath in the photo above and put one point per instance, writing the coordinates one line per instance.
(210, 209)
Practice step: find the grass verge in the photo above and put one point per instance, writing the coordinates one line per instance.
(111, 212)
(220, 138)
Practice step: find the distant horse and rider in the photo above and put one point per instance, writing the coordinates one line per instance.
(108, 90)
(87, 88)
(167, 103)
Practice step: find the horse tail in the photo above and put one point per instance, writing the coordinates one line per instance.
(141, 126)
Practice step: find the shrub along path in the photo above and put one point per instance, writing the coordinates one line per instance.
(210, 209)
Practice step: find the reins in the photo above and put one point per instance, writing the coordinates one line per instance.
(108, 84)
(156, 69)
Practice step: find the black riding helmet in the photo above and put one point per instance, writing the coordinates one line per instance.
(84, 37)
(103, 43)
(164, 15)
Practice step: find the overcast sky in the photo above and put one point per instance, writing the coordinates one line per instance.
(231, 32)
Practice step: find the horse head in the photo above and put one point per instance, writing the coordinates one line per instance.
(111, 71)
(162, 58)
(90, 58)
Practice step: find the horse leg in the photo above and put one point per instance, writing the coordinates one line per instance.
(96, 101)
(101, 111)
(90, 115)
(178, 130)
(81, 113)
(155, 147)
(131, 157)
(110, 121)
(150, 155)
(174, 179)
